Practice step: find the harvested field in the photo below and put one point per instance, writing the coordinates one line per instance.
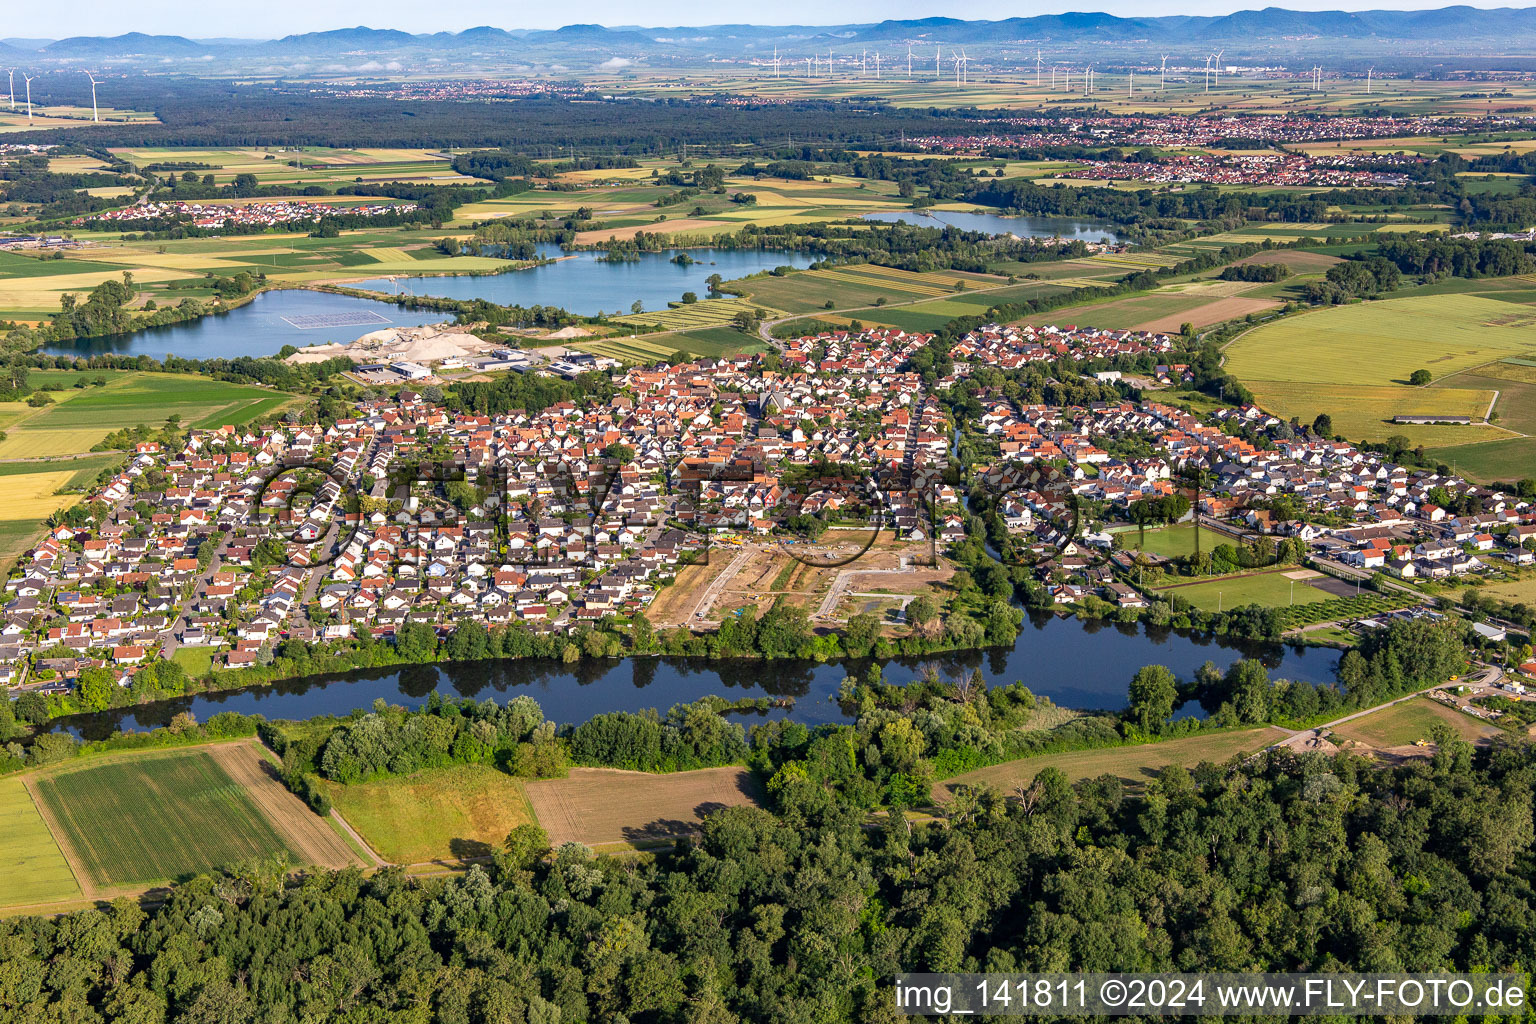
(1229, 308)
(604, 805)
(306, 833)
(663, 227)
(1300, 261)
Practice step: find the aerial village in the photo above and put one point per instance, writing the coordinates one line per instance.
(578, 512)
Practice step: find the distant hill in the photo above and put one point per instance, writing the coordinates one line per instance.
(1444, 29)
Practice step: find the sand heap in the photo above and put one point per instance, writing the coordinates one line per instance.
(424, 345)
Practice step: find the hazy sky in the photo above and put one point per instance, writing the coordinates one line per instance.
(273, 18)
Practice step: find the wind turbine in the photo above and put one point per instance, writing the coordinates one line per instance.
(1208, 71)
(93, 96)
(909, 62)
(1218, 67)
(877, 65)
(775, 62)
(1037, 69)
(864, 64)
(807, 67)
(937, 53)
(1088, 80)
(1130, 84)
(956, 58)
(1163, 85)
(1368, 80)
(28, 79)
(13, 88)
(965, 67)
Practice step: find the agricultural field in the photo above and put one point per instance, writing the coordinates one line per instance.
(694, 315)
(31, 495)
(81, 417)
(1271, 589)
(149, 817)
(309, 165)
(440, 814)
(1406, 723)
(32, 868)
(607, 807)
(1354, 361)
(856, 287)
(1133, 765)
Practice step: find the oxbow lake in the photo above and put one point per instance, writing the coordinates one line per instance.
(997, 224)
(1076, 664)
(580, 283)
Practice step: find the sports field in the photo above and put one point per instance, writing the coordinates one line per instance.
(151, 817)
(1133, 765)
(606, 806)
(32, 869)
(1169, 541)
(440, 814)
(1224, 593)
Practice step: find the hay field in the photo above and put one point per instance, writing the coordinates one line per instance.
(1364, 412)
(599, 806)
(440, 814)
(32, 868)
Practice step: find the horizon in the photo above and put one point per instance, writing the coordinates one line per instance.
(166, 18)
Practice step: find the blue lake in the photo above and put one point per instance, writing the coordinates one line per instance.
(257, 328)
(584, 284)
(996, 224)
(1075, 664)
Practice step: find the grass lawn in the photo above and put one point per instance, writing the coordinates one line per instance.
(197, 661)
(32, 869)
(150, 818)
(1410, 721)
(1271, 589)
(1170, 541)
(438, 814)
(1134, 764)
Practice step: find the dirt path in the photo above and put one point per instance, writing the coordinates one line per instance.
(306, 832)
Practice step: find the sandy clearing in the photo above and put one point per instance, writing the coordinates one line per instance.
(606, 805)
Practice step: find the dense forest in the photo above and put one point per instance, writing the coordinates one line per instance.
(805, 911)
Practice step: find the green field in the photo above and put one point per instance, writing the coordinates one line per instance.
(32, 869)
(1353, 362)
(1223, 593)
(438, 814)
(79, 418)
(709, 313)
(1411, 721)
(157, 817)
(1169, 541)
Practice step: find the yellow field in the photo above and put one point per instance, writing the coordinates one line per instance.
(43, 293)
(1364, 412)
(31, 495)
(32, 868)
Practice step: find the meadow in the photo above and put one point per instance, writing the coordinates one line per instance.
(1169, 541)
(440, 814)
(32, 868)
(156, 817)
(1132, 765)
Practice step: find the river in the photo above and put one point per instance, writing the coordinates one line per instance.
(1074, 663)
(996, 224)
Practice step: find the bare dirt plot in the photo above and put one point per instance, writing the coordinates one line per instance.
(1298, 260)
(1210, 313)
(306, 833)
(605, 805)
